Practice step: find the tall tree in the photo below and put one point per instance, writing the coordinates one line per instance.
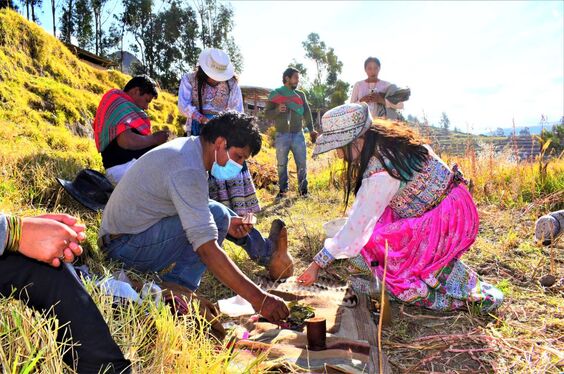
(216, 23)
(139, 22)
(97, 7)
(53, 14)
(33, 4)
(68, 24)
(444, 121)
(83, 20)
(326, 90)
(525, 132)
(175, 27)
(8, 4)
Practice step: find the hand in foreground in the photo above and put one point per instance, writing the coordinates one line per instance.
(309, 276)
(282, 108)
(238, 229)
(51, 240)
(273, 308)
(70, 221)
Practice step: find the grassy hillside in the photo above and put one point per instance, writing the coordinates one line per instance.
(47, 101)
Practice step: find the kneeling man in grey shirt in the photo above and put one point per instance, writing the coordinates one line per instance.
(160, 212)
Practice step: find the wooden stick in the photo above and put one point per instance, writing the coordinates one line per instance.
(381, 319)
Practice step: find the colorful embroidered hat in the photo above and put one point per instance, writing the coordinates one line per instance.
(216, 64)
(342, 125)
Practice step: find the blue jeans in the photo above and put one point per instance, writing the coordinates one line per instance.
(165, 243)
(295, 142)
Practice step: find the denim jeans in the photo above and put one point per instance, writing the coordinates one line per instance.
(295, 142)
(165, 243)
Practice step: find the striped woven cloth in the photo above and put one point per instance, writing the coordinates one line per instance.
(116, 114)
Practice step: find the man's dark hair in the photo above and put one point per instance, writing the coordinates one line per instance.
(288, 73)
(239, 129)
(371, 59)
(145, 83)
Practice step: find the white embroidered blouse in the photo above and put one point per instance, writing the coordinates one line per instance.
(372, 198)
(225, 96)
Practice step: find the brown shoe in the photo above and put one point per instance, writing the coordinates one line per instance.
(281, 263)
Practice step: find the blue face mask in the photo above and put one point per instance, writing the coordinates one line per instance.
(228, 171)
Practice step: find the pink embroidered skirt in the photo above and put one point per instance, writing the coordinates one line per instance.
(420, 247)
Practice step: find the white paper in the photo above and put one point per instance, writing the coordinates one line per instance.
(235, 306)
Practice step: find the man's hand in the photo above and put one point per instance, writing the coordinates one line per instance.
(50, 240)
(238, 229)
(273, 308)
(225, 270)
(161, 136)
(282, 108)
(313, 136)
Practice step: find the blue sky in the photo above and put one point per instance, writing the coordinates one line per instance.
(483, 63)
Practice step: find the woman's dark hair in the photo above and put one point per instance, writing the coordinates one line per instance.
(371, 59)
(400, 150)
(201, 80)
(289, 73)
(239, 129)
(145, 83)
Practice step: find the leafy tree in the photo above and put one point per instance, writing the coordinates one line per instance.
(499, 132)
(444, 121)
(97, 7)
(83, 21)
(166, 41)
(138, 17)
(33, 4)
(176, 48)
(525, 132)
(316, 50)
(216, 22)
(8, 4)
(326, 90)
(53, 14)
(68, 23)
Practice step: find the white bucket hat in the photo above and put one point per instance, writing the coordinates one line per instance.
(216, 64)
(341, 125)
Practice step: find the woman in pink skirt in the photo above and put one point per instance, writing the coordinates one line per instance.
(408, 203)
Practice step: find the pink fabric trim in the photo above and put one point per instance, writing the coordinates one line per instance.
(419, 247)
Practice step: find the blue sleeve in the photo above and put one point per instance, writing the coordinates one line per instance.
(3, 233)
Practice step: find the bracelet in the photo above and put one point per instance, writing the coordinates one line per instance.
(14, 233)
(323, 258)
